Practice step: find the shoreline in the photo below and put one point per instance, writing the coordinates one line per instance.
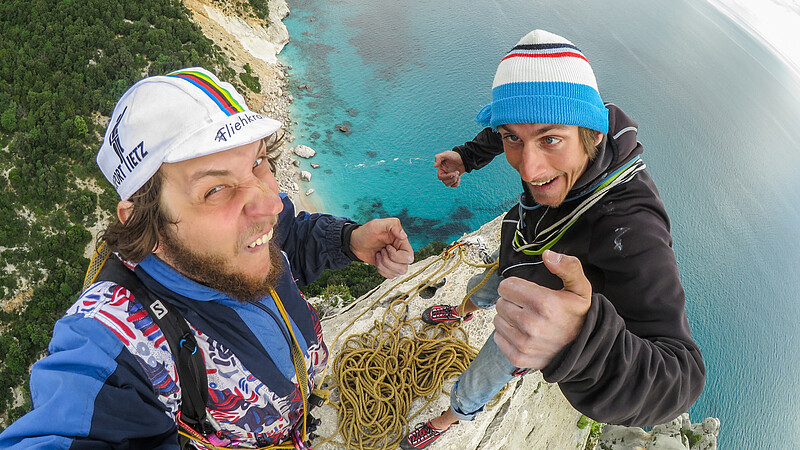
(256, 43)
(309, 203)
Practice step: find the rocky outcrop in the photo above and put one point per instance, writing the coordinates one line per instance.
(680, 434)
(531, 413)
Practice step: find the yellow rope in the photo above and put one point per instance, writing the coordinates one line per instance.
(379, 373)
(492, 267)
(302, 379)
(98, 260)
(299, 362)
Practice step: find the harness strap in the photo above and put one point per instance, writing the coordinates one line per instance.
(182, 344)
(299, 368)
(192, 420)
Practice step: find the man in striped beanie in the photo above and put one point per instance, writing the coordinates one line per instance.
(194, 331)
(587, 288)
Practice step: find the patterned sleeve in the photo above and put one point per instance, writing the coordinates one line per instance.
(88, 391)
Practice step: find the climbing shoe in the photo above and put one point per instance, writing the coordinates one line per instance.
(422, 436)
(443, 314)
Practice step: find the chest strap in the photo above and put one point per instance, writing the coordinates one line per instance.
(189, 361)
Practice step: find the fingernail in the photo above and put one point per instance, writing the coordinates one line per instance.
(553, 257)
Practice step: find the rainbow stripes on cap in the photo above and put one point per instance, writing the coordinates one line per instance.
(545, 79)
(219, 95)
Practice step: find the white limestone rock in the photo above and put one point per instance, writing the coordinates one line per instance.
(680, 434)
(304, 151)
(305, 175)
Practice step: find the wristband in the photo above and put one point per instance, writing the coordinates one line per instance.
(347, 231)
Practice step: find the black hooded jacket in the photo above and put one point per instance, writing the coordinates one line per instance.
(634, 361)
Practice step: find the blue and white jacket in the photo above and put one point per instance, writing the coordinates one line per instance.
(109, 380)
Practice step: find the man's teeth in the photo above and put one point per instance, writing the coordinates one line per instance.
(542, 183)
(262, 240)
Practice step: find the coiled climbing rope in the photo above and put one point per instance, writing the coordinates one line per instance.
(378, 374)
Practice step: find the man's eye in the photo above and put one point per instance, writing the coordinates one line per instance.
(213, 191)
(511, 138)
(551, 140)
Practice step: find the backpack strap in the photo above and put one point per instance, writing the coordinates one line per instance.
(182, 344)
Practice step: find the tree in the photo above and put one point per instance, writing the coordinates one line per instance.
(81, 129)
(8, 120)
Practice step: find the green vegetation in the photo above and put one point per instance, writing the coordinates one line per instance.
(63, 65)
(250, 80)
(595, 430)
(251, 8)
(693, 437)
(357, 278)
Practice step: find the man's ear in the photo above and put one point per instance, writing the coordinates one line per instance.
(124, 210)
(598, 138)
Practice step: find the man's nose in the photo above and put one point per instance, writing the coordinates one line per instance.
(263, 200)
(531, 166)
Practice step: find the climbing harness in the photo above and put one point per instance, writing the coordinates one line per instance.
(194, 422)
(548, 237)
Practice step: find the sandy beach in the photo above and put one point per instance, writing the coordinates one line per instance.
(310, 203)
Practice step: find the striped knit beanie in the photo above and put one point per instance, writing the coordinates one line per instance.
(545, 79)
(183, 115)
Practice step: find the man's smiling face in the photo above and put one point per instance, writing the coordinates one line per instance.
(226, 206)
(549, 158)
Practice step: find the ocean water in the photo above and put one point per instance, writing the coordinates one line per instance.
(718, 114)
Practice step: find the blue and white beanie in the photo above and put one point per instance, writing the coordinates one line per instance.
(545, 79)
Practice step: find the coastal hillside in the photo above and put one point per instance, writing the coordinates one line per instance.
(63, 65)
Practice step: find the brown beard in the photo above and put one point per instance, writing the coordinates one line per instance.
(213, 270)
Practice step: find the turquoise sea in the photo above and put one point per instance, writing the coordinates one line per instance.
(719, 117)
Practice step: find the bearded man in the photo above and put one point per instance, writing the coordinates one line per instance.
(202, 233)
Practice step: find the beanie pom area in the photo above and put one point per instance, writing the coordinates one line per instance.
(484, 117)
